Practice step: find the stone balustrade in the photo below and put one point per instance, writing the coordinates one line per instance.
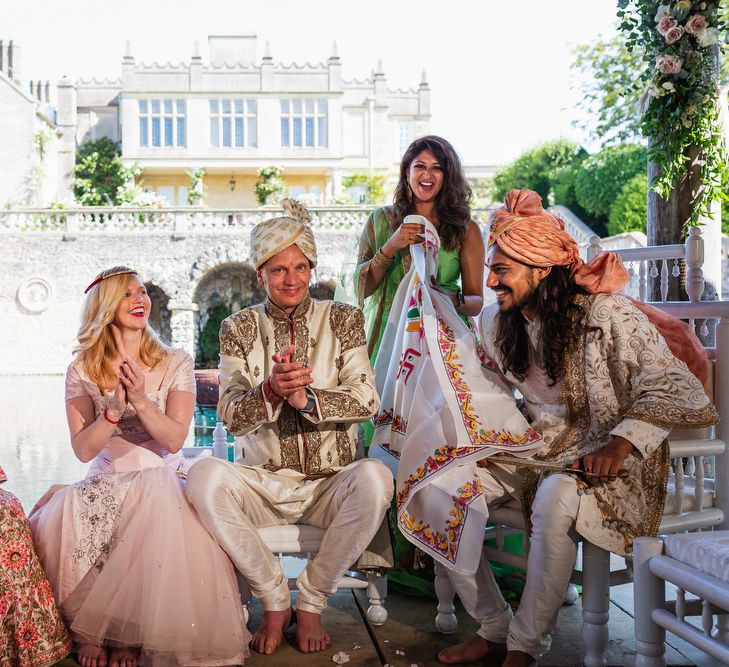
(183, 220)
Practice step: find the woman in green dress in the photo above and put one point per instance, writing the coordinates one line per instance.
(431, 184)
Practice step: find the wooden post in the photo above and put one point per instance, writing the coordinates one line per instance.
(667, 218)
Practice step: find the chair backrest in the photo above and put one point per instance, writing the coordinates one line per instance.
(662, 262)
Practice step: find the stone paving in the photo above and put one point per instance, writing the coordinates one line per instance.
(409, 637)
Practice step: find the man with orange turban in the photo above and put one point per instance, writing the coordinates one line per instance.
(604, 389)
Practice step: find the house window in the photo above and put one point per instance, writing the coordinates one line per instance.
(233, 123)
(406, 137)
(304, 123)
(162, 123)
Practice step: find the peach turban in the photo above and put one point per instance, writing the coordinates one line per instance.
(524, 231)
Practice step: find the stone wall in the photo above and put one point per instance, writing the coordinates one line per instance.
(46, 273)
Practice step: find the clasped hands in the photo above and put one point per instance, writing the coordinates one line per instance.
(129, 389)
(289, 379)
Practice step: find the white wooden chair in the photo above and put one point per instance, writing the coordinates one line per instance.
(694, 562)
(698, 489)
(300, 541)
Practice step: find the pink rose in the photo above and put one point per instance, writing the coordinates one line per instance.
(666, 23)
(696, 24)
(668, 64)
(674, 34)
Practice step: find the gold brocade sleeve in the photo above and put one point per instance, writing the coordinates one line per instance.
(241, 404)
(661, 389)
(354, 398)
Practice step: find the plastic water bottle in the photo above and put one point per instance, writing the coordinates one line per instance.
(220, 442)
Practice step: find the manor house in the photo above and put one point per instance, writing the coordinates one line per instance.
(234, 112)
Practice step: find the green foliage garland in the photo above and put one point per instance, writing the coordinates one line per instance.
(680, 42)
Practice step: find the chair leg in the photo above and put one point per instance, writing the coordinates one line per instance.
(595, 603)
(571, 595)
(245, 594)
(445, 619)
(649, 593)
(376, 594)
(722, 628)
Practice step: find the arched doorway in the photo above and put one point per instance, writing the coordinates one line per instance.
(159, 317)
(223, 290)
(322, 290)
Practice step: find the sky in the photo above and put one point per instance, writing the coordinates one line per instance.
(499, 71)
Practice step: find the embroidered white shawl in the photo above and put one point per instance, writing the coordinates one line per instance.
(443, 408)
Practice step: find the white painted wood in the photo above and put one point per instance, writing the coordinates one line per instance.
(648, 594)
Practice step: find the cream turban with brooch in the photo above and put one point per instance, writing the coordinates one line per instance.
(270, 237)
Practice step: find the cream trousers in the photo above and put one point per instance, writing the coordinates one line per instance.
(549, 566)
(233, 501)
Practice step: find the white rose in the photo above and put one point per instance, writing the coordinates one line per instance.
(668, 87)
(662, 11)
(708, 37)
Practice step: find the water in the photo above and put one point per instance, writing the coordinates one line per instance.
(35, 448)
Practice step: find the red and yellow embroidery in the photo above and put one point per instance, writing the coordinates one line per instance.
(445, 543)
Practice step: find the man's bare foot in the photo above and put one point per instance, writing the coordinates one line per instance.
(519, 659)
(472, 650)
(90, 655)
(310, 635)
(270, 633)
(124, 657)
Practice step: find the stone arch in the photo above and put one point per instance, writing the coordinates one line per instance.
(217, 256)
(324, 289)
(161, 277)
(160, 317)
(222, 290)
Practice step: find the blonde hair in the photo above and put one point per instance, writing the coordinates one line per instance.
(96, 345)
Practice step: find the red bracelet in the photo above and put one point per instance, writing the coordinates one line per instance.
(111, 421)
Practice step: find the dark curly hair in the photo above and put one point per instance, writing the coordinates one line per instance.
(451, 203)
(561, 317)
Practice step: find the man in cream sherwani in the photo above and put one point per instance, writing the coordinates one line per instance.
(294, 382)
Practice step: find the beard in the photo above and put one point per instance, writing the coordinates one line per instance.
(524, 300)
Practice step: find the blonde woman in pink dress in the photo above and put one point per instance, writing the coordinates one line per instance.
(138, 579)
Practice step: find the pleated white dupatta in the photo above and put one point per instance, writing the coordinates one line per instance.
(443, 407)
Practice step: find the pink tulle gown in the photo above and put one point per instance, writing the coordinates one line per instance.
(128, 559)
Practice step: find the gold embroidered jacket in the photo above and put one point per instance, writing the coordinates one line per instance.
(329, 338)
(621, 379)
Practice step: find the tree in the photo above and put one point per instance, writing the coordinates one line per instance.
(628, 211)
(269, 185)
(100, 173)
(610, 94)
(602, 176)
(208, 342)
(537, 168)
(374, 185)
